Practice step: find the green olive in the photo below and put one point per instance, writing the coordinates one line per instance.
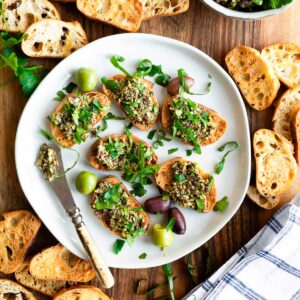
(86, 79)
(162, 237)
(86, 182)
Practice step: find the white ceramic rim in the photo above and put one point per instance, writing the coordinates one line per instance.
(188, 248)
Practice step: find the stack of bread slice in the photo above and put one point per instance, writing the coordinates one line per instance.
(258, 76)
(54, 271)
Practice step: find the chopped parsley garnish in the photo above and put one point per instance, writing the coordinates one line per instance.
(104, 126)
(189, 152)
(147, 68)
(110, 198)
(222, 204)
(115, 60)
(170, 151)
(118, 245)
(179, 177)
(151, 134)
(161, 136)
(69, 89)
(46, 134)
(220, 166)
(143, 255)
(111, 84)
(200, 204)
(167, 268)
(10, 57)
(211, 182)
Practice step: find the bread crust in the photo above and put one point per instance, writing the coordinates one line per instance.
(132, 200)
(18, 228)
(94, 162)
(295, 130)
(148, 85)
(8, 286)
(75, 291)
(164, 178)
(220, 123)
(58, 134)
(264, 202)
(255, 78)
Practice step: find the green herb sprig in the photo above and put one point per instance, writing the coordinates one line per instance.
(116, 60)
(167, 268)
(62, 93)
(221, 205)
(111, 84)
(118, 245)
(220, 166)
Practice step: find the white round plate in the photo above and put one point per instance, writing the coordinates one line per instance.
(172, 55)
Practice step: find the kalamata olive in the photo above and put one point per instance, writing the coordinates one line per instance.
(157, 205)
(180, 225)
(173, 85)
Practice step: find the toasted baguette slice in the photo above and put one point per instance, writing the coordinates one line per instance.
(58, 134)
(20, 14)
(46, 287)
(17, 231)
(65, 1)
(12, 290)
(125, 15)
(276, 167)
(94, 161)
(165, 175)
(81, 292)
(58, 263)
(159, 8)
(148, 85)
(285, 60)
(264, 202)
(133, 203)
(295, 129)
(53, 39)
(219, 124)
(283, 111)
(255, 78)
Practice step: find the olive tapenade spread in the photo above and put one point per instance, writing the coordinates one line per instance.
(189, 121)
(47, 162)
(111, 203)
(188, 188)
(119, 154)
(77, 117)
(136, 100)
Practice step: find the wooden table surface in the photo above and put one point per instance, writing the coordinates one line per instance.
(213, 34)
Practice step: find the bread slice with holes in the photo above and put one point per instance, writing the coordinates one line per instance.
(276, 167)
(17, 231)
(59, 135)
(283, 111)
(260, 200)
(104, 215)
(97, 162)
(46, 287)
(12, 290)
(81, 292)
(165, 176)
(285, 60)
(53, 39)
(20, 14)
(295, 130)
(219, 124)
(58, 263)
(255, 78)
(159, 8)
(126, 15)
(113, 95)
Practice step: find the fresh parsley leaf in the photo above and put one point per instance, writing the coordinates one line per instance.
(69, 88)
(200, 204)
(197, 149)
(143, 255)
(111, 84)
(162, 79)
(130, 240)
(115, 60)
(144, 68)
(118, 245)
(211, 182)
(233, 146)
(151, 134)
(179, 177)
(138, 189)
(167, 268)
(189, 152)
(222, 204)
(46, 134)
(165, 197)
(171, 224)
(170, 151)
(111, 116)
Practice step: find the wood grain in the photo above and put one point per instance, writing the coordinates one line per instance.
(213, 34)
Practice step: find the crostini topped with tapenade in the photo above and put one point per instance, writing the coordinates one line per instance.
(136, 99)
(76, 115)
(187, 184)
(118, 210)
(193, 123)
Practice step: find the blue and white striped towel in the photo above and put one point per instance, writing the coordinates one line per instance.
(268, 267)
